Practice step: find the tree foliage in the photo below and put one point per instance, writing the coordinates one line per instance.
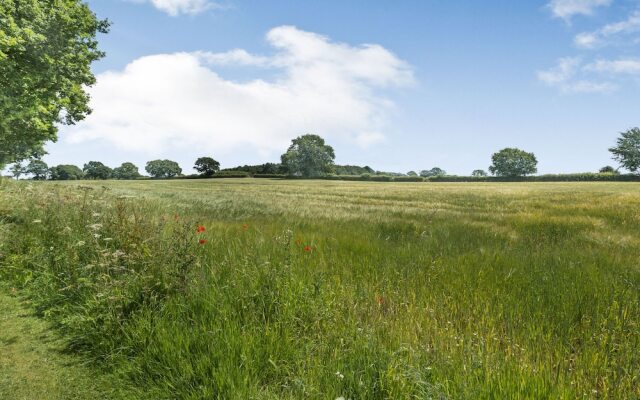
(125, 171)
(512, 162)
(435, 171)
(65, 172)
(17, 170)
(308, 156)
(479, 173)
(46, 50)
(627, 149)
(38, 169)
(607, 169)
(207, 166)
(163, 168)
(96, 170)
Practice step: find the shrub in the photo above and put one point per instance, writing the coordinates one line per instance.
(232, 174)
(408, 179)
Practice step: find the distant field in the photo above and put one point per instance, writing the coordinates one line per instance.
(327, 289)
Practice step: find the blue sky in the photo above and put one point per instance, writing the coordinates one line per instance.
(396, 85)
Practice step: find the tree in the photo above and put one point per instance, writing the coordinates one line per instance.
(412, 173)
(207, 166)
(96, 170)
(125, 171)
(512, 162)
(163, 168)
(308, 156)
(39, 169)
(608, 169)
(627, 149)
(65, 173)
(478, 173)
(46, 51)
(435, 171)
(17, 170)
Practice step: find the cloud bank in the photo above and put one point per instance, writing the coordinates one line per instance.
(566, 9)
(164, 101)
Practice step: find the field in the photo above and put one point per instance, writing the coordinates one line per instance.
(269, 289)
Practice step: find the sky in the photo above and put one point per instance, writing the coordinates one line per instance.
(396, 85)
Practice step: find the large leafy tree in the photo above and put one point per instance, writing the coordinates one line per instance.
(126, 171)
(65, 173)
(38, 169)
(96, 170)
(478, 173)
(17, 170)
(163, 168)
(627, 149)
(207, 166)
(308, 156)
(435, 171)
(46, 50)
(512, 162)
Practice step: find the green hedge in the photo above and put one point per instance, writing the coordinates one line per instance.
(272, 176)
(578, 177)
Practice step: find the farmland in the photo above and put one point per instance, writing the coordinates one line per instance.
(288, 289)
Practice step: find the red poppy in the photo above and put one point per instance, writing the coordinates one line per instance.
(307, 249)
(200, 229)
(202, 241)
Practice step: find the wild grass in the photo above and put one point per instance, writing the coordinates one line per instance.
(327, 289)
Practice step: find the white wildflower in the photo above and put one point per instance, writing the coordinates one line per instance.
(339, 375)
(97, 235)
(95, 227)
(80, 243)
(96, 214)
(36, 221)
(107, 239)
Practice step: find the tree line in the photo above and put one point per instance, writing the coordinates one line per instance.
(309, 156)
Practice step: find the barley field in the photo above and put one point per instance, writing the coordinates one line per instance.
(293, 289)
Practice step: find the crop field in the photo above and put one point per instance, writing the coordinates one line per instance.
(293, 289)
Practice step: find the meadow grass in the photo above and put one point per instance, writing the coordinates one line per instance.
(327, 289)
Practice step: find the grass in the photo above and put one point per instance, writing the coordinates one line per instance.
(325, 289)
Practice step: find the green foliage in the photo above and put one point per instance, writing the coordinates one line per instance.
(578, 177)
(18, 169)
(46, 50)
(412, 173)
(126, 171)
(329, 289)
(308, 156)
(232, 174)
(409, 178)
(163, 168)
(38, 169)
(627, 149)
(512, 162)
(65, 173)
(96, 170)
(352, 170)
(207, 166)
(268, 168)
(433, 172)
(479, 173)
(608, 169)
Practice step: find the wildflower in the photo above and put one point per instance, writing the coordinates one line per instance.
(97, 235)
(245, 226)
(307, 249)
(107, 239)
(202, 241)
(95, 227)
(36, 221)
(80, 243)
(339, 375)
(380, 300)
(200, 229)
(96, 214)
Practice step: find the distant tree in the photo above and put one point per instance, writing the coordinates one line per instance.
(608, 169)
(38, 169)
(65, 173)
(96, 170)
(478, 172)
(412, 173)
(627, 149)
(163, 168)
(18, 169)
(433, 172)
(125, 171)
(512, 162)
(308, 156)
(46, 51)
(207, 166)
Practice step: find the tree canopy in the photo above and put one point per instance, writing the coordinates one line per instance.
(479, 173)
(512, 162)
(163, 168)
(435, 171)
(96, 170)
(627, 149)
(46, 51)
(308, 156)
(207, 166)
(125, 171)
(65, 172)
(38, 169)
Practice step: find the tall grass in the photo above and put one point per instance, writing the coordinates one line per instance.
(338, 289)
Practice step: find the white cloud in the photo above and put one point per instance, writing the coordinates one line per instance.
(565, 76)
(177, 7)
(592, 39)
(164, 101)
(566, 9)
(621, 66)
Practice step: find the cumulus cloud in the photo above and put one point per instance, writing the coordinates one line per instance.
(602, 35)
(567, 76)
(621, 66)
(164, 101)
(566, 9)
(177, 7)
